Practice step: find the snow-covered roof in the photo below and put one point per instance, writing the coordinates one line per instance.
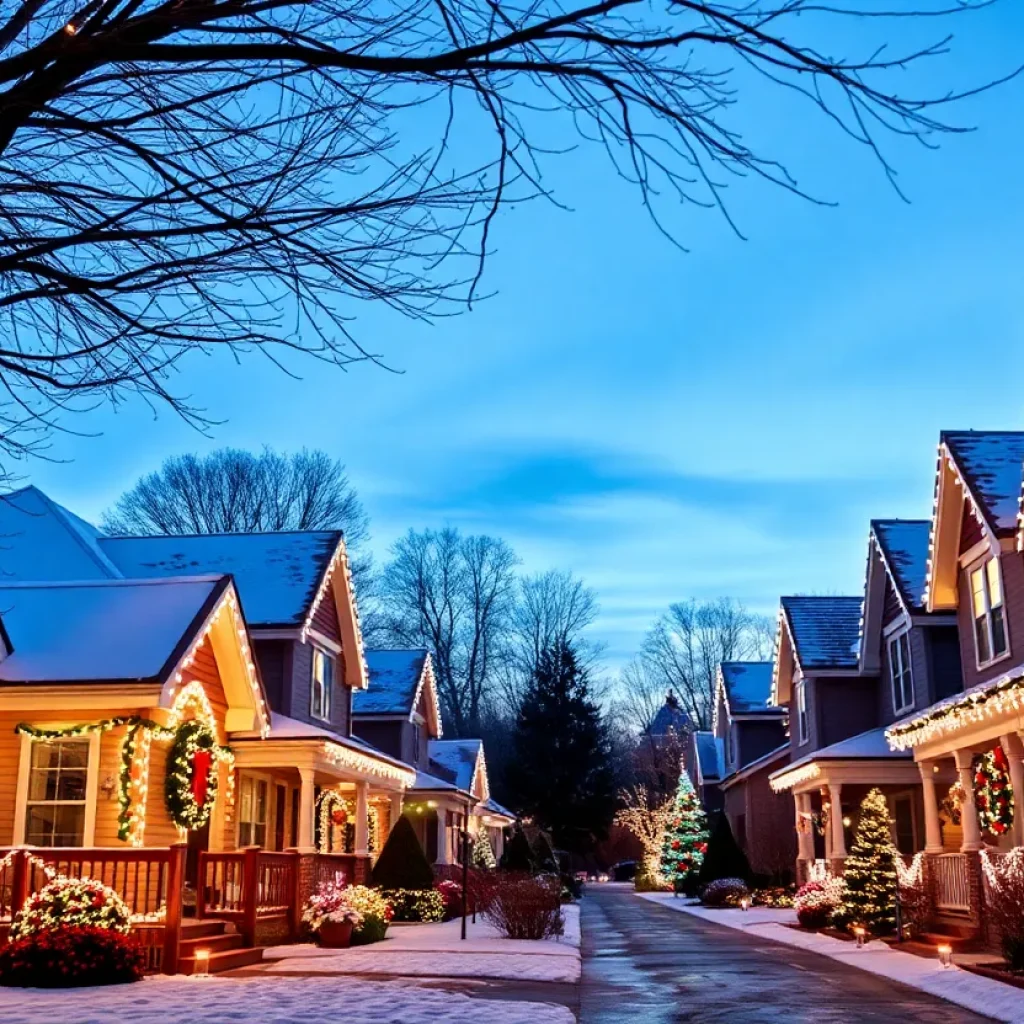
(748, 686)
(493, 807)
(991, 463)
(670, 716)
(710, 756)
(394, 682)
(866, 746)
(904, 547)
(277, 574)
(102, 630)
(434, 783)
(825, 630)
(757, 765)
(459, 757)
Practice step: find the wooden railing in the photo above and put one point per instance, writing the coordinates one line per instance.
(148, 880)
(952, 882)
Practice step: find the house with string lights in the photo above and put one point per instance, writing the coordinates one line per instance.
(751, 734)
(399, 713)
(176, 719)
(968, 743)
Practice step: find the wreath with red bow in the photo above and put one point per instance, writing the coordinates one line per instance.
(191, 783)
(993, 793)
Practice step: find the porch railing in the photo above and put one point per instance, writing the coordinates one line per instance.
(148, 880)
(952, 882)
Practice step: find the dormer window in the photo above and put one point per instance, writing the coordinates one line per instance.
(900, 674)
(323, 684)
(989, 616)
(801, 712)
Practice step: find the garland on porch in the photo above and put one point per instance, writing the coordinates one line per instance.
(993, 793)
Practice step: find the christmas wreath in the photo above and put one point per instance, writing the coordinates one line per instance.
(191, 782)
(993, 794)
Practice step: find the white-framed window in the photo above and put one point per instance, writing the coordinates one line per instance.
(989, 615)
(802, 734)
(57, 793)
(253, 806)
(322, 685)
(901, 674)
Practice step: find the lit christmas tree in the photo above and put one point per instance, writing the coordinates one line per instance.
(686, 837)
(483, 854)
(870, 870)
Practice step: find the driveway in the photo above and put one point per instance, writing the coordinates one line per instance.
(646, 964)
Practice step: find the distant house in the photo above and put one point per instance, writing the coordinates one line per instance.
(664, 746)
(704, 762)
(399, 714)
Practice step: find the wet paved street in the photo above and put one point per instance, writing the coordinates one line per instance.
(647, 964)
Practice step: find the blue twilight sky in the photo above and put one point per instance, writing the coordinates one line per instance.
(670, 425)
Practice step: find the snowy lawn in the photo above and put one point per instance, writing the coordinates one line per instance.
(436, 951)
(162, 1000)
(1003, 1002)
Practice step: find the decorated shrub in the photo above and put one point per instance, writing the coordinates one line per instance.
(523, 907)
(332, 902)
(778, 897)
(71, 957)
(71, 903)
(416, 904)
(376, 910)
(402, 863)
(451, 896)
(816, 902)
(724, 892)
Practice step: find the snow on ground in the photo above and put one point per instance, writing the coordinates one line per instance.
(983, 995)
(161, 1000)
(436, 950)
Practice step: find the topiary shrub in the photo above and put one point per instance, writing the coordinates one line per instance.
(518, 855)
(724, 858)
(70, 958)
(724, 892)
(402, 863)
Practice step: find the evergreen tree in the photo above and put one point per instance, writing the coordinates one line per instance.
(724, 858)
(686, 838)
(870, 870)
(544, 854)
(518, 855)
(402, 863)
(561, 773)
(483, 854)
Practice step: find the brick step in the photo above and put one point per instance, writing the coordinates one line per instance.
(214, 943)
(958, 943)
(226, 960)
(200, 929)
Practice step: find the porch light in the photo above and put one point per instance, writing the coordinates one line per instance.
(431, 803)
(846, 821)
(202, 968)
(860, 931)
(945, 955)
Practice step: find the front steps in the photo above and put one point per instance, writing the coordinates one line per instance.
(227, 949)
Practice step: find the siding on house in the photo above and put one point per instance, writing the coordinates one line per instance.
(754, 739)
(762, 822)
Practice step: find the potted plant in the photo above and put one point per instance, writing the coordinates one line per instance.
(331, 916)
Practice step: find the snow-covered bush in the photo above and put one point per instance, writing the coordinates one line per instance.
(71, 903)
(71, 957)
(724, 892)
(522, 907)
(816, 902)
(333, 903)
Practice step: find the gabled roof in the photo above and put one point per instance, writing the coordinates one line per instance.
(109, 630)
(748, 686)
(277, 574)
(825, 630)
(866, 746)
(710, 757)
(670, 717)
(903, 545)
(397, 681)
(991, 465)
(464, 760)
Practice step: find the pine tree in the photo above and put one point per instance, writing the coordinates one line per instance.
(561, 773)
(724, 858)
(483, 854)
(518, 855)
(686, 838)
(870, 870)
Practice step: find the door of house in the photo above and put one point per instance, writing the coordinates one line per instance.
(198, 839)
(280, 816)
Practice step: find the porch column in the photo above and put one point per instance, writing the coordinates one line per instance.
(969, 812)
(396, 808)
(443, 852)
(1015, 755)
(835, 790)
(499, 843)
(932, 827)
(362, 828)
(307, 799)
(804, 838)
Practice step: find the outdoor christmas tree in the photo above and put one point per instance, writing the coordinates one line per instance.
(686, 838)
(483, 855)
(870, 870)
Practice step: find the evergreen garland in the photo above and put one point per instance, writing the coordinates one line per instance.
(870, 870)
(191, 738)
(686, 837)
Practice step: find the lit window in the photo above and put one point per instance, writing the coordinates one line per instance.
(252, 812)
(55, 810)
(801, 712)
(900, 673)
(323, 679)
(989, 616)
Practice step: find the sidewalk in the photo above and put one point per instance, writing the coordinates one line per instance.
(999, 1001)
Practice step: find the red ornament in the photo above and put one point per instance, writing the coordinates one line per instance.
(676, 844)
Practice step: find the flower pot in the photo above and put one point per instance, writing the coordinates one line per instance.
(335, 934)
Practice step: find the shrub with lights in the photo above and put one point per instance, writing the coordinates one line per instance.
(870, 872)
(422, 905)
(333, 903)
(451, 896)
(686, 838)
(71, 903)
(993, 793)
(376, 911)
(816, 902)
(71, 958)
(724, 892)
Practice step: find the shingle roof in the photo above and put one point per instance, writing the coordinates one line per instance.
(990, 462)
(710, 756)
(276, 574)
(457, 757)
(109, 630)
(394, 680)
(904, 544)
(670, 716)
(495, 808)
(748, 685)
(826, 630)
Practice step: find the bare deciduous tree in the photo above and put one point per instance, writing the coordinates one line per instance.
(240, 174)
(453, 594)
